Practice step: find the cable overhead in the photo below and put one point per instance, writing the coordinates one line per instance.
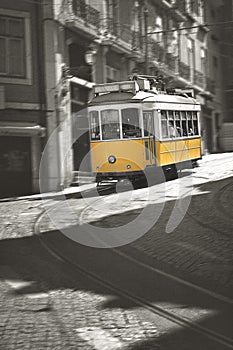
(191, 27)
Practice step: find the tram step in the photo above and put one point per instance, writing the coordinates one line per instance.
(82, 177)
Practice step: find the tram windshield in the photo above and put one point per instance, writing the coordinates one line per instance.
(110, 123)
(130, 123)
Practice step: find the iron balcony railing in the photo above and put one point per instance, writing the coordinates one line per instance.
(171, 61)
(156, 51)
(210, 85)
(180, 5)
(184, 71)
(137, 41)
(112, 26)
(198, 78)
(126, 34)
(86, 12)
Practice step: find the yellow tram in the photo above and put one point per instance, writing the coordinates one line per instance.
(136, 126)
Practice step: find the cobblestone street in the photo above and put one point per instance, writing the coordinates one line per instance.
(47, 304)
(44, 305)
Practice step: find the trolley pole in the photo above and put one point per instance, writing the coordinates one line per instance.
(146, 38)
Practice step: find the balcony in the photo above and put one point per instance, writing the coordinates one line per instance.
(198, 79)
(156, 51)
(210, 85)
(112, 26)
(180, 5)
(166, 62)
(184, 71)
(171, 62)
(126, 34)
(137, 41)
(87, 13)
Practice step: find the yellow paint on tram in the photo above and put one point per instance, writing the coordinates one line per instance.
(169, 152)
(131, 154)
(127, 152)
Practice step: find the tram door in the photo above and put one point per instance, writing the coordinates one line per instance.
(149, 133)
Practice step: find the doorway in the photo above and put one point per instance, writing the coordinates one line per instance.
(15, 166)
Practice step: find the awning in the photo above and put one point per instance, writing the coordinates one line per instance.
(21, 129)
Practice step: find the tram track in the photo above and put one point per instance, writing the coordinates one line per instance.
(137, 300)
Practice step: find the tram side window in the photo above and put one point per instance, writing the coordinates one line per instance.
(148, 123)
(95, 128)
(171, 125)
(130, 123)
(184, 123)
(190, 124)
(177, 124)
(110, 123)
(164, 124)
(195, 124)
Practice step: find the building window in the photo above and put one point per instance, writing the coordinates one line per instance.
(158, 28)
(191, 57)
(15, 48)
(12, 55)
(112, 14)
(172, 38)
(200, 10)
(112, 74)
(203, 60)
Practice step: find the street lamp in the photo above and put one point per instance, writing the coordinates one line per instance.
(90, 58)
(90, 55)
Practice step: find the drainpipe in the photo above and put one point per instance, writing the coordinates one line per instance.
(146, 38)
(40, 60)
(38, 143)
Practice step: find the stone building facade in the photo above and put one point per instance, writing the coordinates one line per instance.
(53, 53)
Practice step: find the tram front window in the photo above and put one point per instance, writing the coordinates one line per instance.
(110, 123)
(130, 123)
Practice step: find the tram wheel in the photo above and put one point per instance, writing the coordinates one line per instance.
(170, 172)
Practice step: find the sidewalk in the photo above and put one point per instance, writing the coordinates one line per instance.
(69, 191)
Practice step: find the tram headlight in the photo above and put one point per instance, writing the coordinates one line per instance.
(111, 159)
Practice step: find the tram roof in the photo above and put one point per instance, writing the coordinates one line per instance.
(141, 96)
